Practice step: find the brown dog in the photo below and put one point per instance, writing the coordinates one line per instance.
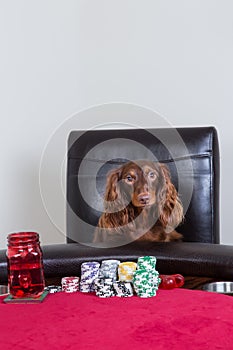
(140, 202)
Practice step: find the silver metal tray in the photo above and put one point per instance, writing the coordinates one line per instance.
(222, 287)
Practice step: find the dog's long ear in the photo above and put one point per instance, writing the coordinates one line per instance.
(116, 213)
(112, 192)
(170, 207)
(114, 199)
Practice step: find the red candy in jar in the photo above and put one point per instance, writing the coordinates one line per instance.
(171, 281)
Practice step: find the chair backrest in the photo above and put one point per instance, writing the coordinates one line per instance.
(191, 154)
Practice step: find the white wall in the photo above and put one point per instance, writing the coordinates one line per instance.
(58, 57)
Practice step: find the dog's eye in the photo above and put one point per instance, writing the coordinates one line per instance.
(129, 178)
(151, 175)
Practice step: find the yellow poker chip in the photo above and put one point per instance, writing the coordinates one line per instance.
(126, 271)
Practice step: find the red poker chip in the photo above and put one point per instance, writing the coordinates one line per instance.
(70, 284)
(70, 279)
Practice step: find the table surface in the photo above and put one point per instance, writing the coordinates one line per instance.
(174, 319)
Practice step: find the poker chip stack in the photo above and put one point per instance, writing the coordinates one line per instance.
(70, 284)
(89, 273)
(107, 276)
(146, 279)
(123, 289)
(126, 271)
(109, 269)
(104, 287)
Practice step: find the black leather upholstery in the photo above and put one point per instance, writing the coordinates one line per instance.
(92, 154)
(189, 259)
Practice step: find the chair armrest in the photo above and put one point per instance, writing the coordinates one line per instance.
(188, 259)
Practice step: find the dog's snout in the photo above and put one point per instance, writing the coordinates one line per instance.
(144, 198)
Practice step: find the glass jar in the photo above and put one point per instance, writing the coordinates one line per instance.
(25, 265)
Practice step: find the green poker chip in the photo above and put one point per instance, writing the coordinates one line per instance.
(146, 262)
(146, 279)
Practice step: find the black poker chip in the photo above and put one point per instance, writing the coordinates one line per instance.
(53, 289)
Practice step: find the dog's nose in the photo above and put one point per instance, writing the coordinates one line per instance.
(143, 198)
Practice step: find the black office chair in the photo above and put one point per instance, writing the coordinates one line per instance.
(191, 154)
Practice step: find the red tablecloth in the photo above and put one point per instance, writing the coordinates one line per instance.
(176, 319)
